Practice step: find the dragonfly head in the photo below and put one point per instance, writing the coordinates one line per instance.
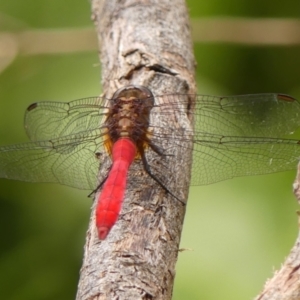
(134, 93)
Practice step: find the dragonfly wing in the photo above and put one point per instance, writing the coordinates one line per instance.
(217, 157)
(257, 115)
(72, 160)
(48, 120)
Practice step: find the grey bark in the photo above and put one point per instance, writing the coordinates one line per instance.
(147, 43)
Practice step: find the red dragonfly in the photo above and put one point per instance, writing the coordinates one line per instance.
(232, 136)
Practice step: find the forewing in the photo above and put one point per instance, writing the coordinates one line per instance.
(48, 120)
(72, 160)
(257, 115)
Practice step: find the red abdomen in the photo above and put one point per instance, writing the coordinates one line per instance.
(111, 198)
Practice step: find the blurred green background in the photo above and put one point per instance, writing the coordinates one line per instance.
(239, 231)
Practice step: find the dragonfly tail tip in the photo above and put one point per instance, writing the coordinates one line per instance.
(103, 232)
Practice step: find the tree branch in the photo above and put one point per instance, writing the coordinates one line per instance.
(146, 43)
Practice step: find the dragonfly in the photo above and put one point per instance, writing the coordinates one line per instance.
(95, 142)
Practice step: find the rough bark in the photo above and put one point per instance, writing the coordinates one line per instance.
(285, 284)
(146, 43)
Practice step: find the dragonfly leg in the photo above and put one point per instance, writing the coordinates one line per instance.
(157, 150)
(147, 169)
(99, 185)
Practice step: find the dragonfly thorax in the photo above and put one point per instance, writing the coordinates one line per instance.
(129, 116)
